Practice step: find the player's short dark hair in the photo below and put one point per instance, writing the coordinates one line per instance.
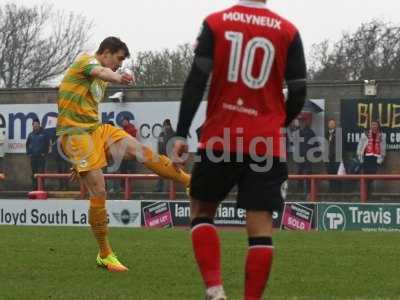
(113, 44)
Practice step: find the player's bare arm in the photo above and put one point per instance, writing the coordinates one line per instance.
(109, 75)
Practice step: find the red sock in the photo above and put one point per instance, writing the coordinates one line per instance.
(206, 247)
(258, 266)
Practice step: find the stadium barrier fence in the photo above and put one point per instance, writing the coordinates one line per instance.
(313, 179)
(362, 178)
(128, 179)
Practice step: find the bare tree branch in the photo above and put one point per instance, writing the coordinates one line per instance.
(163, 67)
(37, 44)
(373, 51)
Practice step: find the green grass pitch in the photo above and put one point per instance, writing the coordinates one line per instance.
(59, 263)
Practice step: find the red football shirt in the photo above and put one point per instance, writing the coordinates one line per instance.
(246, 106)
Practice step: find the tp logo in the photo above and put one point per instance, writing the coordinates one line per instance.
(334, 218)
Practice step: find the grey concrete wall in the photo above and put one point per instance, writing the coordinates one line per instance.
(17, 166)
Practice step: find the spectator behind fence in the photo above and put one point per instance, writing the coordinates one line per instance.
(292, 145)
(112, 185)
(2, 150)
(292, 136)
(371, 150)
(37, 147)
(165, 136)
(306, 145)
(129, 127)
(61, 163)
(128, 166)
(333, 163)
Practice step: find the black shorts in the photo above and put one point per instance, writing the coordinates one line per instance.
(261, 185)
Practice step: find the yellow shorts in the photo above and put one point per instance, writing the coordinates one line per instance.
(87, 152)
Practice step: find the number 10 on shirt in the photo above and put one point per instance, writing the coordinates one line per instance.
(248, 59)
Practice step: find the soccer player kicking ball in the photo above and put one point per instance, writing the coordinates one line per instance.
(87, 143)
(251, 52)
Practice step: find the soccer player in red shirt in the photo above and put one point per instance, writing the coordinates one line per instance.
(251, 53)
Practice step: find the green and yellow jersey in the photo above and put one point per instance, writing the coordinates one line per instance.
(79, 97)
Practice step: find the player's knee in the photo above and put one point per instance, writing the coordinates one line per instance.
(203, 210)
(98, 187)
(132, 148)
(259, 223)
(99, 192)
(130, 153)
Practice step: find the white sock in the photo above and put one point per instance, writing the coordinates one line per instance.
(214, 290)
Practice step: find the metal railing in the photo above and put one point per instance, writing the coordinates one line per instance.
(315, 179)
(128, 180)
